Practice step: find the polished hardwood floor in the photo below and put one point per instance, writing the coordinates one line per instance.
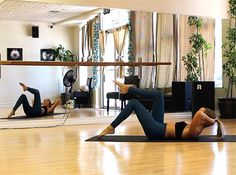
(63, 151)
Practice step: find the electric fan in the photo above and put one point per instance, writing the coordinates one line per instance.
(69, 80)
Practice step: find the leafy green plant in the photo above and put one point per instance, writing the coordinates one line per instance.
(62, 54)
(232, 8)
(229, 67)
(194, 60)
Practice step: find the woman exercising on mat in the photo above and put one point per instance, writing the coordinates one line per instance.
(37, 109)
(152, 123)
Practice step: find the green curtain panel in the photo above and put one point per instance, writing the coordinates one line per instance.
(96, 56)
(131, 47)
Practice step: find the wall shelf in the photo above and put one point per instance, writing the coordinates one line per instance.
(74, 63)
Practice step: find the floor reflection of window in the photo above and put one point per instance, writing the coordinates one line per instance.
(220, 160)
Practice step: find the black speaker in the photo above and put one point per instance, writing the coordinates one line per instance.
(181, 96)
(203, 95)
(35, 31)
(106, 11)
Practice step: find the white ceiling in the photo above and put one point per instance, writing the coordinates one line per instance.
(203, 8)
(64, 13)
(40, 12)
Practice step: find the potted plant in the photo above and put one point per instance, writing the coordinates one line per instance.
(195, 65)
(62, 54)
(227, 104)
(194, 60)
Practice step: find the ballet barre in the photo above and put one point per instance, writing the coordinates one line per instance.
(76, 63)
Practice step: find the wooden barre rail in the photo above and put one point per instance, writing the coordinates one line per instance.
(74, 63)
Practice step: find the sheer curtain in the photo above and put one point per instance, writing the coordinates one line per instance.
(90, 49)
(164, 49)
(207, 31)
(89, 37)
(143, 40)
(102, 43)
(84, 50)
(184, 31)
(87, 41)
(119, 39)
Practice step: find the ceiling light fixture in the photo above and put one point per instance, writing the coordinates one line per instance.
(54, 11)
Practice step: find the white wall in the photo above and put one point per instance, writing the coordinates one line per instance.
(16, 34)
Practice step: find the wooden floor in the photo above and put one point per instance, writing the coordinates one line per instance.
(62, 150)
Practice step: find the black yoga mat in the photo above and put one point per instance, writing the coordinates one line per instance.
(131, 138)
(26, 117)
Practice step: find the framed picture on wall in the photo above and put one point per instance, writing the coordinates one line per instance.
(14, 54)
(47, 55)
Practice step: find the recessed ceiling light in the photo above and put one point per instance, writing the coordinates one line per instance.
(54, 11)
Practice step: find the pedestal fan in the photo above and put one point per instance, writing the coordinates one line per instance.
(68, 81)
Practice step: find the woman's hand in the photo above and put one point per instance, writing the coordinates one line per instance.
(54, 105)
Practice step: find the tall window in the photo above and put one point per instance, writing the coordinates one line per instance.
(110, 22)
(218, 53)
(212, 33)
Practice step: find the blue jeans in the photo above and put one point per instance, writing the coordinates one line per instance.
(30, 111)
(152, 123)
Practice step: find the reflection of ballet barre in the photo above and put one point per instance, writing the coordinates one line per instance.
(75, 63)
(140, 60)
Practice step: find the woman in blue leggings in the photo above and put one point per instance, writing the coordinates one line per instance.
(153, 123)
(37, 109)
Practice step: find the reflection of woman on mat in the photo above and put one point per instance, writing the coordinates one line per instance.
(152, 123)
(37, 109)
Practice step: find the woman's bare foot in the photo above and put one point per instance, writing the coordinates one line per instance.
(108, 130)
(24, 86)
(123, 87)
(11, 114)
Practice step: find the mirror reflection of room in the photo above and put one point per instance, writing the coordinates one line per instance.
(117, 87)
(119, 35)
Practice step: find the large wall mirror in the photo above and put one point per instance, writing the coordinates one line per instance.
(156, 36)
